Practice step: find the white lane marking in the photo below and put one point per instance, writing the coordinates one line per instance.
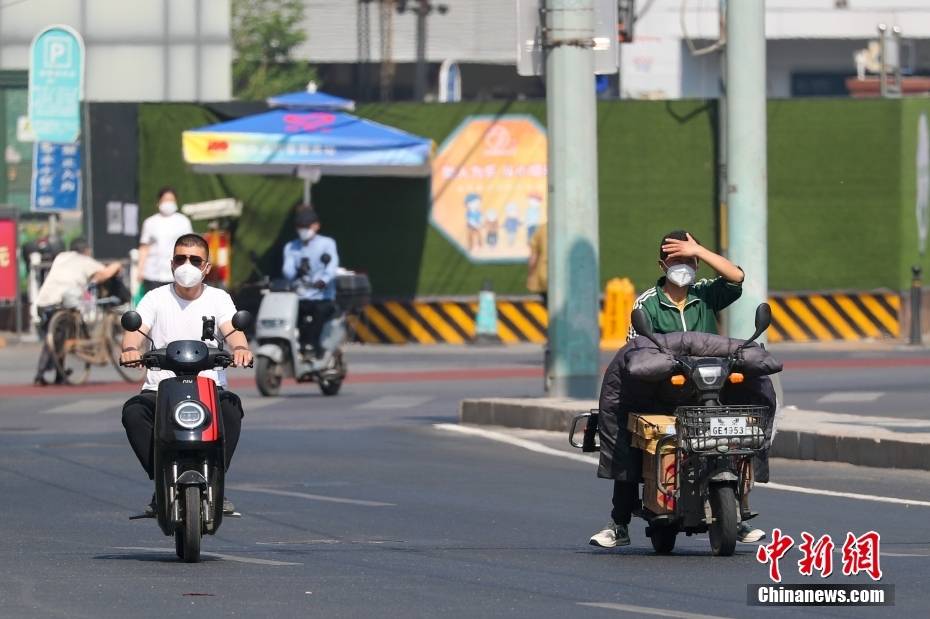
(218, 555)
(512, 440)
(646, 610)
(845, 495)
(849, 397)
(84, 407)
(540, 448)
(395, 401)
(310, 497)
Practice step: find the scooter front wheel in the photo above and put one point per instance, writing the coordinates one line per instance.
(725, 510)
(191, 529)
(267, 376)
(663, 538)
(330, 387)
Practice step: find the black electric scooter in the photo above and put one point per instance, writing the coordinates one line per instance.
(713, 446)
(189, 445)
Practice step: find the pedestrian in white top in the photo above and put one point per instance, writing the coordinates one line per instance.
(156, 242)
(68, 277)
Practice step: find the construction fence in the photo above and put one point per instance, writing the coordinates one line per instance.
(796, 317)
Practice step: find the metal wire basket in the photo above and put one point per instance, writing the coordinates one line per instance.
(722, 430)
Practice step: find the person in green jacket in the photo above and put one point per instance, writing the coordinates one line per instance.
(678, 302)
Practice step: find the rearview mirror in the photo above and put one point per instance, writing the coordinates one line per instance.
(241, 320)
(131, 321)
(643, 326)
(763, 317)
(641, 323)
(763, 321)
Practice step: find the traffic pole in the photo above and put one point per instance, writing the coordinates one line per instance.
(747, 206)
(572, 175)
(916, 294)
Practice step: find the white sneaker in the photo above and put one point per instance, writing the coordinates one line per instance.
(611, 536)
(746, 534)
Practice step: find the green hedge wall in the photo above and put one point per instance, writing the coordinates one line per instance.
(838, 191)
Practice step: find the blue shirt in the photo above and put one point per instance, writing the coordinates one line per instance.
(312, 250)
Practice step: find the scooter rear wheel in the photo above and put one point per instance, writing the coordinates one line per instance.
(267, 376)
(192, 525)
(722, 531)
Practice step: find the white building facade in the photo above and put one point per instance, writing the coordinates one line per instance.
(810, 47)
(137, 50)
(810, 42)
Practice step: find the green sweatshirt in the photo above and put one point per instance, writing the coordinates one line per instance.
(706, 297)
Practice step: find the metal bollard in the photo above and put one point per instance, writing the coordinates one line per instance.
(916, 293)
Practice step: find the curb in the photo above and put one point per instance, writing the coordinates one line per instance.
(832, 437)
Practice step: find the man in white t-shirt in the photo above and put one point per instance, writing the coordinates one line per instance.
(156, 242)
(176, 312)
(67, 279)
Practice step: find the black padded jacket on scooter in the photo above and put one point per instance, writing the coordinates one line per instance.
(633, 383)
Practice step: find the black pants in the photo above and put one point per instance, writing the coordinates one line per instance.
(319, 312)
(46, 361)
(625, 495)
(139, 421)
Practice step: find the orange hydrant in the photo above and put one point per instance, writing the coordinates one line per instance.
(619, 295)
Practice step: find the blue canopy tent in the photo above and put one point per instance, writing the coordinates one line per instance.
(307, 142)
(311, 100)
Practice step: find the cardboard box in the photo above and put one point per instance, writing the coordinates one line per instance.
(653, 500)
(651, 427)
(646, 430)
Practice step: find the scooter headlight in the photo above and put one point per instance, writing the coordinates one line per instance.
(189, 414)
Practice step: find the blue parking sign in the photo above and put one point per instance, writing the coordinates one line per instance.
(56, 177)
(56, 83)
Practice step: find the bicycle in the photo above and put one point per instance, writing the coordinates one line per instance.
(78, 341)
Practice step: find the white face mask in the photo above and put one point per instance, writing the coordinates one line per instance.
(168, 208)
(187, 275)
(306, 234)
(681, 274)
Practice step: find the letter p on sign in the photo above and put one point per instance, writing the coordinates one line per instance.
(58, 52)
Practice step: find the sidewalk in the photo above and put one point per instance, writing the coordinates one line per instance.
(886, 442)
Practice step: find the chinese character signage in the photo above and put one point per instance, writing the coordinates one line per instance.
(489, 187)
(8, 254)
(860, 554)
(56, 177)
(56, 80)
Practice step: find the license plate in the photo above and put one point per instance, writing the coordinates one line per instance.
(728, 426)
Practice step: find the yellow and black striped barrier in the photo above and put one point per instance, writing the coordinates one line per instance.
(813, 317)
(448, 322)
(834, 316)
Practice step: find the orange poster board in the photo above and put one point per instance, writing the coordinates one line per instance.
(489, 187)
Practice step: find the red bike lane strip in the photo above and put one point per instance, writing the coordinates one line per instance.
(464, 374)
(413, 376)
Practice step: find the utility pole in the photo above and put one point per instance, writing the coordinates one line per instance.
(386, 24)
(574, 285)
(419, 78)
(747, 184)
(722, 194)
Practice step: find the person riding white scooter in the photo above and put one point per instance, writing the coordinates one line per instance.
(311, 263)
(301, 324)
